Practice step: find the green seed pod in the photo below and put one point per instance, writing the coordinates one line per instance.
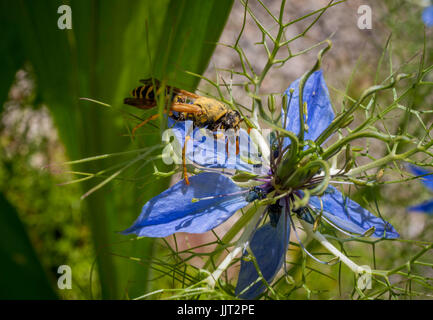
(243, 176)
(369, 232)
(347, 122)
(357, 149)
(317, 222)
(271, 103)
(348, 153)
(333, 261)
(284, 102)
(349, 165)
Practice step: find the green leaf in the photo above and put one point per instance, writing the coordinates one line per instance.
(22, 276)
(190, 33)
(10, 51)
(111, 46)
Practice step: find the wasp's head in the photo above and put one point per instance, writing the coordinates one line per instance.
(232, 119)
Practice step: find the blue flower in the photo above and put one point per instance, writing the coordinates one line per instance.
(269, 243)
(204, 150)
(427, 179)
(269, 246)
(427, 16)
(209, 200)
(212, 197)
(320, 113)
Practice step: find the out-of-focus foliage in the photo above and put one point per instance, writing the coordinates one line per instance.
(111, 46)
(30, 154)
(20, 265)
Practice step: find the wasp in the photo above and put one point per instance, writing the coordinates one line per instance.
(204, 112)
(144, 96)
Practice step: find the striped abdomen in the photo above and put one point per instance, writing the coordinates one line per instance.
(144, 92)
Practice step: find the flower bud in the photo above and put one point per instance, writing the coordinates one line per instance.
(347, 122)
(271, 103)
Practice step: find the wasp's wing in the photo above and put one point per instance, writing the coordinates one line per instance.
(157, 83)
(140, 103)
(185, 93)
(150, 81)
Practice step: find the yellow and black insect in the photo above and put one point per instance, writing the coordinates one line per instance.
(204, 112)
(144, 96)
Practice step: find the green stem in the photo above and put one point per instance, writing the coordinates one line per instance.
(337, 122)
(336, 147)
(324, 242)
(240, 245)
(388, 158)
(234, 230)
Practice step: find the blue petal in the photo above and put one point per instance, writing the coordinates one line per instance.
(419, 171)
(269, 245)
(427, 16)
(204, 150)
(175, 209)
(350, 216)
(425, 207)
(320, 112)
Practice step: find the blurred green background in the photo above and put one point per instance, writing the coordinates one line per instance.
(112, 44)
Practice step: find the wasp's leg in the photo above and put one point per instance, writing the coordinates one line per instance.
(140, 103)
(227, 147)
(155, 116)
(214, 128)
(185, 107)
(218, 135)
(237, 145)
(187, 93)
(185, 174)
